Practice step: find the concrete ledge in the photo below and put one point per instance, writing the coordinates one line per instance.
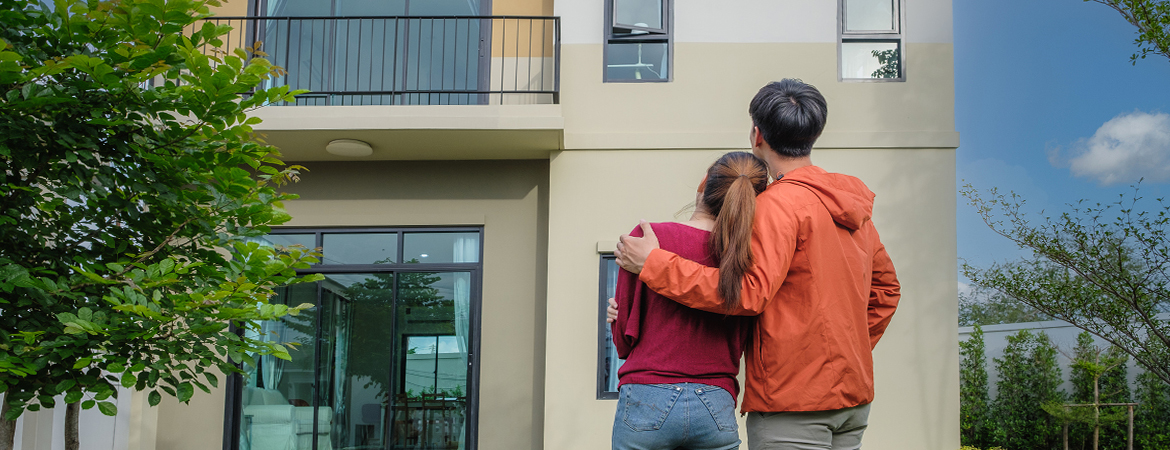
(726, 140)
(411, 117)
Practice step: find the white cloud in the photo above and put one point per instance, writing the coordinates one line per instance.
(1126, 148)
(965, 289)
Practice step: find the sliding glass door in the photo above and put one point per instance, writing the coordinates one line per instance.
(386, 357)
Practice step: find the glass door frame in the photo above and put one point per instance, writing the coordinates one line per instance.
(234, 384)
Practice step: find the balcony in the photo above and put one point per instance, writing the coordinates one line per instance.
(414, 87)
(409, 60)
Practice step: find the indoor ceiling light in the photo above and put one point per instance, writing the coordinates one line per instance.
(349, 147)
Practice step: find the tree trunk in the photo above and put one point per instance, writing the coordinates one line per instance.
(72, 437)
(7, 428)
(1096, 410)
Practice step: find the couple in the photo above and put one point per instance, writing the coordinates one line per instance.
(800, 255)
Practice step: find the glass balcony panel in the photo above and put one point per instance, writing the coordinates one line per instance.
(861, 60)
(360, 248)
(369, 8)
(443, 7)
(870, 15)
(299, 8)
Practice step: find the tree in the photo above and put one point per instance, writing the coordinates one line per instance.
(1152, 20)
(975, 420)
(1103, 268)
(1028, 378)
(1098, 376)
(131, 193)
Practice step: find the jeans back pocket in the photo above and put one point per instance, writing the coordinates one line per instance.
(645, 406)
(721, 406)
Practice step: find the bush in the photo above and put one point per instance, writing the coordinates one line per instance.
(1028, 378)
(1152, 415)
(974, 415)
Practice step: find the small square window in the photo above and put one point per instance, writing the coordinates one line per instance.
(637, 41)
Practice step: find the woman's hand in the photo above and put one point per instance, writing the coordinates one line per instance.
(611, 311)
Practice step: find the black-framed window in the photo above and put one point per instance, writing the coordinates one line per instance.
(608, 362)
(871, 45)
(638, 41)
(386, 359)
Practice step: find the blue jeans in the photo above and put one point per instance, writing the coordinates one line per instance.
(671, 416)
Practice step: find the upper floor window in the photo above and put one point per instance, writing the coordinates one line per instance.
(871, 43)
(638, 40)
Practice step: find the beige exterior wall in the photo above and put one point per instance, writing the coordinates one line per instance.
(706, 104)
(509, 199)
(598, 195)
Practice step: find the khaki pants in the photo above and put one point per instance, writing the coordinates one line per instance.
(839, 429)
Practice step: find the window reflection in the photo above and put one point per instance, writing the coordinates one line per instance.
(636, 61)
(359, 248)
(382, 362)
(870, 60)
(869, 15)
(609, 361)
(440, 248)
(638, 13)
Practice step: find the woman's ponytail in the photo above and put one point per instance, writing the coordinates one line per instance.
(732, 185)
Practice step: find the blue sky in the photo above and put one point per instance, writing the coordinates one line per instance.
(1042, 76)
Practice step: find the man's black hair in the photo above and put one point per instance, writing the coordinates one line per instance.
(790, 115)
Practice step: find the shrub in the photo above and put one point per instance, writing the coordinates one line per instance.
(1152, 415)
(1028, 378)
(974, 415)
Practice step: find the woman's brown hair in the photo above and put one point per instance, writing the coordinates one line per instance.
(730, 195)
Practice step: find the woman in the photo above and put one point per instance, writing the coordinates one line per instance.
(678, 386)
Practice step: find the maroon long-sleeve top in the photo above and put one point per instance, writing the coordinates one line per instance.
(665, 342)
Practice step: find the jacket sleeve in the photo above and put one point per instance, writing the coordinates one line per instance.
(629, 294)
(884, 293)
(697, 286)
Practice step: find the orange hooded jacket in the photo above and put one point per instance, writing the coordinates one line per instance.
(822, 285)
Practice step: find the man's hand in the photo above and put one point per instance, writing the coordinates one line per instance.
(611, 311)
(632, 251)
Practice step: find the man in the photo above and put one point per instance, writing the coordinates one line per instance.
(822, 284)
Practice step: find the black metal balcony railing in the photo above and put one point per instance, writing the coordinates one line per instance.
(415, 60)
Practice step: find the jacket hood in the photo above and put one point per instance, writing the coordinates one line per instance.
(848, 200)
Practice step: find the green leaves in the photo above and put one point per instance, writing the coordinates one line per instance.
(121, 274)
(108, 408)
(1105, 268)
